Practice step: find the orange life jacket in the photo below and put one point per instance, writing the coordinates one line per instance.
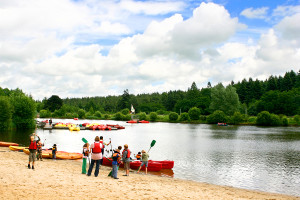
(128, 153)
(138, 156)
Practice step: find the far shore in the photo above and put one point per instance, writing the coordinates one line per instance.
(62, 179)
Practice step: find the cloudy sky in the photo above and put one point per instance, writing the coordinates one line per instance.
(76, 48)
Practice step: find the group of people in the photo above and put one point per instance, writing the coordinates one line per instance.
(96, 150)
(36, 151)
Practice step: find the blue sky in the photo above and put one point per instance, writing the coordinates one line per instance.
(102, 47)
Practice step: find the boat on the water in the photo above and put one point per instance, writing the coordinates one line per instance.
(116, 126)
(131, 122)
(143, 121)
(222, 124)
(7, 144)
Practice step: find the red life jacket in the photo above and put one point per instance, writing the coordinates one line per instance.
(101, 141)
(32, 145)
(128, 153)
(97, 147)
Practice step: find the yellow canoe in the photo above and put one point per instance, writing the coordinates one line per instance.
(17, 148)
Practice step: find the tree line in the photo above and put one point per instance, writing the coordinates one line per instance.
(234, 103)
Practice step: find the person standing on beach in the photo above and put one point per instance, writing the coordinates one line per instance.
(32, 149)
(145, 157)
(54, 150)
(39, 151)
(126, 159)
(85, 153)
(116, 159)
(102, 149)
(96, 156)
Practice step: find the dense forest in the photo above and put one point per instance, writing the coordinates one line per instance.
(271, 100)
(279, 95)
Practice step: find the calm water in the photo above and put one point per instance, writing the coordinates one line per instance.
(250, 157)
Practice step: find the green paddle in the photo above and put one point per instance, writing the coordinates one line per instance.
(84, 140)
(152, 144)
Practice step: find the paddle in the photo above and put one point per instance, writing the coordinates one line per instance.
(152, 144)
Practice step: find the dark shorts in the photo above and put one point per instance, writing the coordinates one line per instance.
(32, 155)
(144, 163)
(127, 165)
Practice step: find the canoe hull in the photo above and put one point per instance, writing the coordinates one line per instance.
(7, 144)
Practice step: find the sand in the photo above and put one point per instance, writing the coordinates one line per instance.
(62, 179)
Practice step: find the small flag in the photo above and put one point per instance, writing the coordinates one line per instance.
(132, 109)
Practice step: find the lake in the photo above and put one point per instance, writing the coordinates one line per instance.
(250, 157)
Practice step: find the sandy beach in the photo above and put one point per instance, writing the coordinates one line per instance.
(62, 179)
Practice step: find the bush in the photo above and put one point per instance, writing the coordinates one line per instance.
(126, 117)
(184, 117)
(69, 116)
(5, 113)
(160, 112)
(285, 121)
(216, 117)
(118, 116)
(267, 119)
(237, 118)
(202, 118)
(106, 116)
(153, 116)
(194, 113)
(45, 114)
(263, 118)
(173, 116)
(297, 119)
(98, 114)
(125, 111)
(142, 116)
(252, 120)
(81, 114)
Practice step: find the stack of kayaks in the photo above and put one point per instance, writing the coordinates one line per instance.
(153, 166)
(134, 122)
(116, 126)
(74, 128)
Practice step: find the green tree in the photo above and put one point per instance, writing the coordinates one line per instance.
(153, 116)
(118, 116)
(24, 111)
(184, 117)
(173, 116)
(45, 114)
(237, 118)
(226, 100)
(125, 111)
(81, 114)
(98, 114)
(124, 102)
(54, 103)
(216, 117)
(142, 116)
(5, 113)
(194, 113)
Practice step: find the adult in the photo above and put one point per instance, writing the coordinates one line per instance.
(126, 159)
(145, 157)
(34, 139)
(96, 156)
(102, 149)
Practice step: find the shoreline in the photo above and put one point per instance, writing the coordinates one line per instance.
(62, 179)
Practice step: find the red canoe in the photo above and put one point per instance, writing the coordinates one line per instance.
(7, 144)
(116, 126)
(152, 166)
(166, 164)
(143, 121)
(131, 122)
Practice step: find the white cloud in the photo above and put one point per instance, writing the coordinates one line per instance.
(44, 56)
(258, 13)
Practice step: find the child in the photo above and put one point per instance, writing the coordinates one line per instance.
(116, 159)
(138, 156)
(32, 149)
(39, 151)
(54, 149)
(145, 157)
(85, 153)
